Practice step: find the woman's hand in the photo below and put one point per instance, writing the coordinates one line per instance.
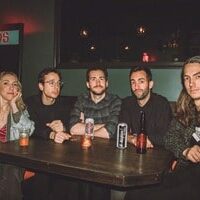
(192, 154)
(13, 102)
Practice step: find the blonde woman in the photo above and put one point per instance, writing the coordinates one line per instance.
(13, 116)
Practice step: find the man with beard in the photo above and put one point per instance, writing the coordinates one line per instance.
(98, 104)
(104, 108)
(156, 108)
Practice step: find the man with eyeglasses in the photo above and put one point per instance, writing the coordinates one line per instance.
(50, 112)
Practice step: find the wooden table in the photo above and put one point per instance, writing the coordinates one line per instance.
(102, 163)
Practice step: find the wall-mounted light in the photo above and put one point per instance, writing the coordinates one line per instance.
(92, 48)
(84, 33)
(125, 47)
(141, 30)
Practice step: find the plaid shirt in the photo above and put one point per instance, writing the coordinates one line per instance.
(104, 112)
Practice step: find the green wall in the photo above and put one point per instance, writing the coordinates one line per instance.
(166, 82)
(39, 49)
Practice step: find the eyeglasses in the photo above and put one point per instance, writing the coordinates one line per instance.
(53, 83)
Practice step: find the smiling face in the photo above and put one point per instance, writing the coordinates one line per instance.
(97, 83)
(9, 87)
(191, 79)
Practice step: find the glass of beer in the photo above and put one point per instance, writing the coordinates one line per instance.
(24, 137)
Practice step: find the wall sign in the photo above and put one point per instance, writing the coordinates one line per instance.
(9, 37)
(11, 47)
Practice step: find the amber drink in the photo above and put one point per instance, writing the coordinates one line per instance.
(141, 136)
(24, 137)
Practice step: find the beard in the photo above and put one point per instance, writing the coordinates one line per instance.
(142, 95)
(98, 92)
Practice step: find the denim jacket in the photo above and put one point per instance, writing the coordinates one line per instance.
(17, 121)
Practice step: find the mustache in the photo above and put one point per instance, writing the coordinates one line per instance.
(137, 90)
(98, 86)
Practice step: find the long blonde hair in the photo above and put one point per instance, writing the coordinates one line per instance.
(20, 104)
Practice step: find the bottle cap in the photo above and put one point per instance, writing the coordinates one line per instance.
(89, 120)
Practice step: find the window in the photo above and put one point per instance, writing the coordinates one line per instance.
(121, 33)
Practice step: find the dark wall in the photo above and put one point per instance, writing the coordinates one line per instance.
(6, 63)
(38, 19)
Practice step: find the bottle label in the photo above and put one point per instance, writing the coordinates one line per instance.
(122, 131)
(89, 127)
(141, 143)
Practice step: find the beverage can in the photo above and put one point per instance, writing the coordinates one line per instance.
(89, 127)
(122, 133)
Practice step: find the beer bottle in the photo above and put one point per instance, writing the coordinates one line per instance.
(141, 136)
